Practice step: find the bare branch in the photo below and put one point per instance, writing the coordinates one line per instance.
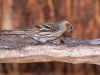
(23, 49)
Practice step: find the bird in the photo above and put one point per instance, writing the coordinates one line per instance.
(47, 31)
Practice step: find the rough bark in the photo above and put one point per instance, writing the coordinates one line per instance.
(23, 49)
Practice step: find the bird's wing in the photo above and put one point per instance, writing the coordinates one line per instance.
(45, 28)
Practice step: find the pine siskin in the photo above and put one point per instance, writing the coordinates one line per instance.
(46, 32)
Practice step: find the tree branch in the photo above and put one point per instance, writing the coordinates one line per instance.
(23, 49)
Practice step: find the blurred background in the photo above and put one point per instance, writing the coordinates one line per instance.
(83, 14)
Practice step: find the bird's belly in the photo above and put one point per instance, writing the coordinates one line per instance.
(47, 37)
(44, 39)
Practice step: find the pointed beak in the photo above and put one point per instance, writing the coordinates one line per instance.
(71, 31)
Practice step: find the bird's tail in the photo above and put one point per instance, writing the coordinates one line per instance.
(12, 32)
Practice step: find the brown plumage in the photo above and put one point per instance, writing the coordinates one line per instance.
(46, 32)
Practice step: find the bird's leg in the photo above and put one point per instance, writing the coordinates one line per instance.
(62, 41)
(57, 41)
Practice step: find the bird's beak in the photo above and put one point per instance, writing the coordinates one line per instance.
(71, 31)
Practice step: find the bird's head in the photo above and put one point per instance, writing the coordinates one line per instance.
(67, 26)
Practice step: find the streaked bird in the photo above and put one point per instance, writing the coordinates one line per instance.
(46, 32)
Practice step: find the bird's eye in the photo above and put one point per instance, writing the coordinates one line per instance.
(70, 27)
